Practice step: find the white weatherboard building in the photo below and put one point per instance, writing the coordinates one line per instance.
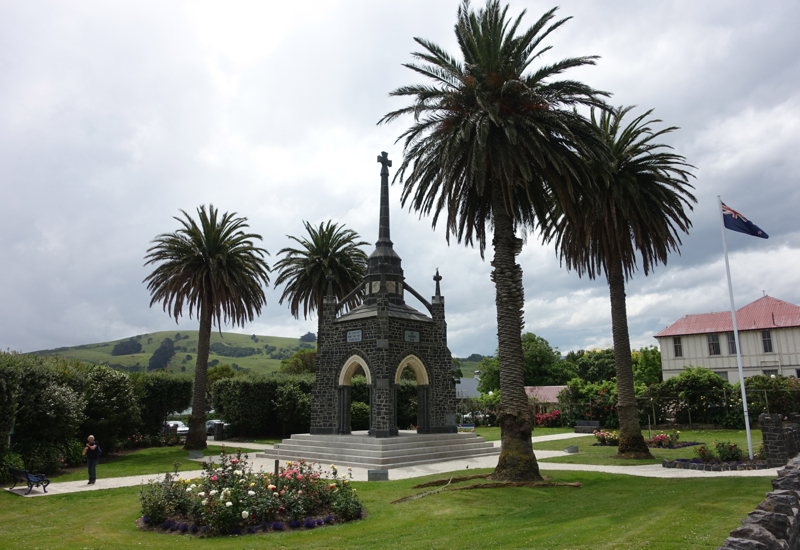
(769, 334)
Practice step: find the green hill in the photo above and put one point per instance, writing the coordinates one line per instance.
(261, 354)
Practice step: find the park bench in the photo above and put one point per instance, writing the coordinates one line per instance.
(586, 426)
(33, 480)
(466, 426)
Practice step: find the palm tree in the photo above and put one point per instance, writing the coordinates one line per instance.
(491, 137)
(215, 269)
(638, 206)
(328, 250)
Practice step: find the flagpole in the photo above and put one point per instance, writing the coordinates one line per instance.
(735, 331)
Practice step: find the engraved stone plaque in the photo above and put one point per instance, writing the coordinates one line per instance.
(353, 335)
(390, 286)
(412, 336)
(376, 286)
(382, 383)
(449, 419)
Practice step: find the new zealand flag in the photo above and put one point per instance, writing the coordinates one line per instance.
(736, 222)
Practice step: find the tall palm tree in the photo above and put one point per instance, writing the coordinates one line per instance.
(491, 137)
(215, 269)
(328, 250)
(639, 205)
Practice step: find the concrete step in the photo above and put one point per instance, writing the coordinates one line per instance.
(360, 450)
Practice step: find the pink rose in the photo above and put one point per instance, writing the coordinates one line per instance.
(213, 478)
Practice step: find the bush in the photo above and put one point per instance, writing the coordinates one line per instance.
(728, 452)
(548, 420)
(127, 347)
(665, 440)
(705, 454)
(160, 394)
(359, 416)
(112, 410)
(9, 459)
(607, 438)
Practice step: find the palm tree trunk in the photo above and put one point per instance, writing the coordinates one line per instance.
(631, 441)
(517, 461)
(319, 325)
(196, 439)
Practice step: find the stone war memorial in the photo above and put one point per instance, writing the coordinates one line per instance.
(382, 337)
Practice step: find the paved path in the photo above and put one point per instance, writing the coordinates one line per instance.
(360, 474)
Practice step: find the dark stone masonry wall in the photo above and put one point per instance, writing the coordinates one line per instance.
(775, 523)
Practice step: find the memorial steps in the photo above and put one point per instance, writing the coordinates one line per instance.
(360, 450)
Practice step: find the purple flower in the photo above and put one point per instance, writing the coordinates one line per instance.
(277, 526)
(295, 524)
(145, 519)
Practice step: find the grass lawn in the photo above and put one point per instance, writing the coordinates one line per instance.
(602, 455)
(157, 460)
(607, 512)
(493, 434)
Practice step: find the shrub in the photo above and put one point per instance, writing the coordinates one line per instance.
(705, 454)
(548, 420)
(607, 438)
(9, 459)
(359, 416)
(665, 440)
(112, 410)
(728, 452)
(160, 394)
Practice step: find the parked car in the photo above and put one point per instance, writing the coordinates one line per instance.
(182, 428)
(211, 423)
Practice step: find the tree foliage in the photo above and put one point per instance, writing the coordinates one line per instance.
(127, 347)
(303, 361)
(162, 356)
(160, 394)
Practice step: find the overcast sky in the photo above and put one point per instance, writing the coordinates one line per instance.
(116, 115)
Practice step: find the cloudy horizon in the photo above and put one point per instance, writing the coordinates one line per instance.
(116, 116)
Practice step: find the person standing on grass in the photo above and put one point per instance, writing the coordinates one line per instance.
(92, 452)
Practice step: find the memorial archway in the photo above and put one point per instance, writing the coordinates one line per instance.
(416, 365)
(345, 396)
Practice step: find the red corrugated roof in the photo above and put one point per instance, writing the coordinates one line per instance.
(544, 394)
(764, 313)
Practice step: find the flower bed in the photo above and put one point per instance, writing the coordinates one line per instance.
(229, 498)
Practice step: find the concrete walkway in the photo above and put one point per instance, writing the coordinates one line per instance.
(360, 474)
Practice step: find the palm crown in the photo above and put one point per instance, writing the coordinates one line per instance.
(214, 261)
(329, 249)
(491, 125)
(639, 204)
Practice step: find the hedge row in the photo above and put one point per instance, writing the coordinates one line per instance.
(49, 406)
(278, 405)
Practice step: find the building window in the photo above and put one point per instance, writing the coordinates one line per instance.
(770, 372)
(722, 374)
(676, 344)
(713, 344)
(731, 344)
(766, 341)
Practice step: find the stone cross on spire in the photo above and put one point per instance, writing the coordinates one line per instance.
(437, 278)
(383, 225)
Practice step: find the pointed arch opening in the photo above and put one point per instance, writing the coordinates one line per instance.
(415, 365)
(344, 420)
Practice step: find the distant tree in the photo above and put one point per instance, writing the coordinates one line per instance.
(543, 366)
(647, 365)
(216, 270)
(596, 366)
(308, 337)
(456, 370)
(331, 250)
(127, 347)
(162, 356)
(302, 362)
(489, 377)
(474, 357)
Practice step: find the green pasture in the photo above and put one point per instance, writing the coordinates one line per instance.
(101, 352)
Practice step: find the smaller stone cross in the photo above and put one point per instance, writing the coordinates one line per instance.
(383, 158)
(437, 278)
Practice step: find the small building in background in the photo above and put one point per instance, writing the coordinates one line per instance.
(769, 335)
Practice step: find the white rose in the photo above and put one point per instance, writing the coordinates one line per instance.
(251, 493)
(189, 490)
(201, 495)
(212, 493)
(204, 501)
(192, 486)
(228, 504)
(245, 514)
